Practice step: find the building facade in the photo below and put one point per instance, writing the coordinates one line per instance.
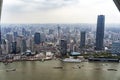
(63, 47)
(14, 47)
(100, 32)
(24, 47)
(82, 39)
(115, 47)
(37, 38)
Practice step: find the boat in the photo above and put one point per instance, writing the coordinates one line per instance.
(8, 70)
(71, 60)
(112, 69)
(58, 67)
(76, 67)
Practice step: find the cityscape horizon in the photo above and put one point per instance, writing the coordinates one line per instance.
(59, 40)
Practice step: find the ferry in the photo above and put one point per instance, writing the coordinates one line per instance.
(8, 70)
(71, 60)
(112, 69)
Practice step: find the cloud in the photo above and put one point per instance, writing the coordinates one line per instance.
(33, 5)
(45, 11)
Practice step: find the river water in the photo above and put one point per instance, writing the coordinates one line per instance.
(37, 70)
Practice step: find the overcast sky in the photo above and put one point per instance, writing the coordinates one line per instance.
(58, 11)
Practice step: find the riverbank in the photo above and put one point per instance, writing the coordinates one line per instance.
(36, 70)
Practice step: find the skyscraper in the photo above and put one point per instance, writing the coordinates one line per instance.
(37, 38)
(58, 31)
(100, 32)
(24, 47)
(82, 41)
(63, 47)
(9, 38)
(115, 49)
(19, 43)
(23, 32)
(15, 34)
(14, 47)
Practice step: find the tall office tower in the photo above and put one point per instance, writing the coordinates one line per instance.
(63, 47)
(58, 31)
(83, 38)
(37, 41)
(24, 47)
(14, 47)
(42, 37)
(10, 40)
(100, 32)
(31, 44)
(19, 43)
(37, 38)
(15, 35)
(23, 32)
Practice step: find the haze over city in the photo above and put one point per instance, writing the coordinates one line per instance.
(82, 43)
(58, 11)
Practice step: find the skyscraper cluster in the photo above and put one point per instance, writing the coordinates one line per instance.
(62, 38)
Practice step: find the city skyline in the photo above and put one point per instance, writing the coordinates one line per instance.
(59, 40)
(58, 11)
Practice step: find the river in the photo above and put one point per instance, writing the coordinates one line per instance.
(37, 70)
